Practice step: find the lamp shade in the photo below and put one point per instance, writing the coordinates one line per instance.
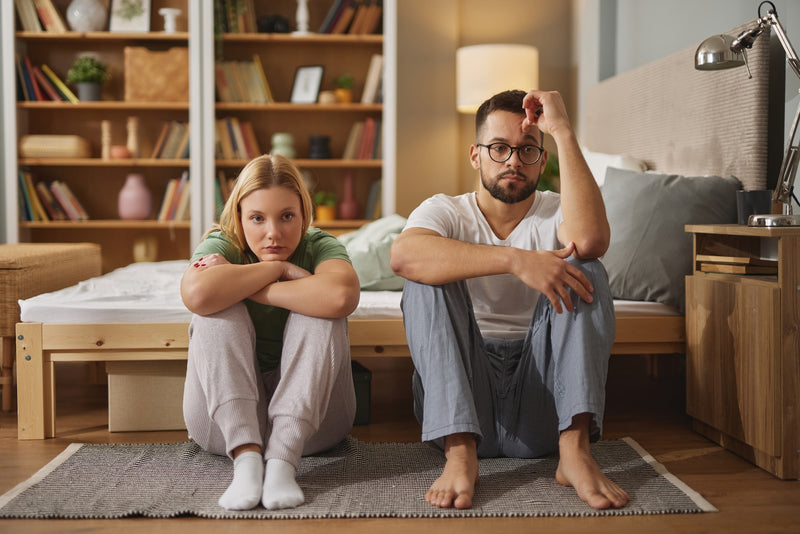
(485, 70)
(715, 53)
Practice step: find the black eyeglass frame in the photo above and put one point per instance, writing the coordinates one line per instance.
(511, 152)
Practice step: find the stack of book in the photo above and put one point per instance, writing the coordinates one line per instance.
(175, 203)
(222, 191)
(711, 263)
(235, 139)
(41, 202)
(354, 17)
(235, 16)
(172, 142)
(40, 83)
(39, 16)
(242, 81)
(364, 140)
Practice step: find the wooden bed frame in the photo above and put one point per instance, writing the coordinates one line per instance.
(665, 113)
(40, 346)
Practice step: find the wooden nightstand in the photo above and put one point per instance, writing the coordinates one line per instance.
(743, 342)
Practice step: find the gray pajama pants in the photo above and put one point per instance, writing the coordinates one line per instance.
(515, 396)
(306, 406)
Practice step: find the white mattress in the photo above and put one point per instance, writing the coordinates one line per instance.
(150, 293)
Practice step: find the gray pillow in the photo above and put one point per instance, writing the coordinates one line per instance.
(650, 252)
(368, 248)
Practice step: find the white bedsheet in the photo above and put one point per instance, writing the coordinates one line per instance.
(149, 293)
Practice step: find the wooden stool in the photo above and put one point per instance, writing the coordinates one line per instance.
(29, 269)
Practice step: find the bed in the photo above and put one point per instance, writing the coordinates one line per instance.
(665, 117)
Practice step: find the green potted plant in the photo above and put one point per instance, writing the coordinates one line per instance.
(88, 73)
(549, 179)
(344, 88)
(325, 202)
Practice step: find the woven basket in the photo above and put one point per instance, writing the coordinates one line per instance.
(29, 269)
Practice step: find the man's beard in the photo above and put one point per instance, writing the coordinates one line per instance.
(509, 196)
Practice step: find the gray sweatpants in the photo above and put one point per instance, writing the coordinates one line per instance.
(306, 406)
(515, 396)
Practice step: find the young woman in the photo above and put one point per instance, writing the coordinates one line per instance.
(268, 375)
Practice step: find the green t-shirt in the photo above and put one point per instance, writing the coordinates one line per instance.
(316, 247)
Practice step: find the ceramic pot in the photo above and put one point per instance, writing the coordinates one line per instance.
(325, 213)
(89, 91)
(87, 15)
(135, 200)
(283, 144)
(348, 208)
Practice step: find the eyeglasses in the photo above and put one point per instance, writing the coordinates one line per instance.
(502, 152)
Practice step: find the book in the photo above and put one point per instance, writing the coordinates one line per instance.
(345, 17)
(50, 204)
(162, 136)
(182, 209)
(353, 139)
(50, 17)
(24, 85)
(221, 83)
(731, 268)
(373, 206)
(38, 210)
(374, 19)
(25, 209)
(262, 74)
(26, 11)
(182, 151)
(46, 86)
(173, 140)
(359, 17)
(29, 73)
(176, 197)
(250, 141)
(236, 135)
(166, 201)
(60, 85)
(741, 260)
(69, 203)
(224, 139)
(373, 79)
(330, 16)
(367, 139)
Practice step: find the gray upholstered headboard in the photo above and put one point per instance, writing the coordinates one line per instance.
(684, 121)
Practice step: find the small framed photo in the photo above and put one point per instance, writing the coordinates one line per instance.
(130, 16)
(307, 81)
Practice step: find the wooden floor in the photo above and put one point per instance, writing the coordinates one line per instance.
(649, 410)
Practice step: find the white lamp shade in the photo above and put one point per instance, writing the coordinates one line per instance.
(485, 70)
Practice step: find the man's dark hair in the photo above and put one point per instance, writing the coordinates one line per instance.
(510, 101)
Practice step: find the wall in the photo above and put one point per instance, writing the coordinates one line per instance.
(613, 36)
(432, 138)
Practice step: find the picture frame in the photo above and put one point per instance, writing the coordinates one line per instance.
(130, 16)
(307, 82)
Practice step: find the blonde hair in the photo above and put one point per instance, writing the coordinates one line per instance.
(262, 172)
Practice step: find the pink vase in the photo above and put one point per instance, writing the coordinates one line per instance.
(348, 208)
(135, 200)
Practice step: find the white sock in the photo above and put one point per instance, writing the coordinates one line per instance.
(280, 487)
(245, 490)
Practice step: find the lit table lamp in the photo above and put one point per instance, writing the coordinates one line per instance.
(485, 70)
(724, 52)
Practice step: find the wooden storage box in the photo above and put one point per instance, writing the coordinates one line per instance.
(28, 269)
(145, 395)
(156, 76)
(54, 146)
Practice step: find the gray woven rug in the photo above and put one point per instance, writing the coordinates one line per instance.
(356, 479)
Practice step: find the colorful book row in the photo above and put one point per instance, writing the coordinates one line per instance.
(41, 202)
(353, 17)
(242, 81)
(235, 139)
(175, 202)
(172, 142)
(39, 16)
(40, 83)
(364, 140)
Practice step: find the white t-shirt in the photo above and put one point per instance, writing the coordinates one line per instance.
(503, 305)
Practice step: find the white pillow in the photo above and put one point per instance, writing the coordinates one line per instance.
(599, 162)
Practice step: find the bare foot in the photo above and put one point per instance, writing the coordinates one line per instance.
(456, 485)
(578, 469)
